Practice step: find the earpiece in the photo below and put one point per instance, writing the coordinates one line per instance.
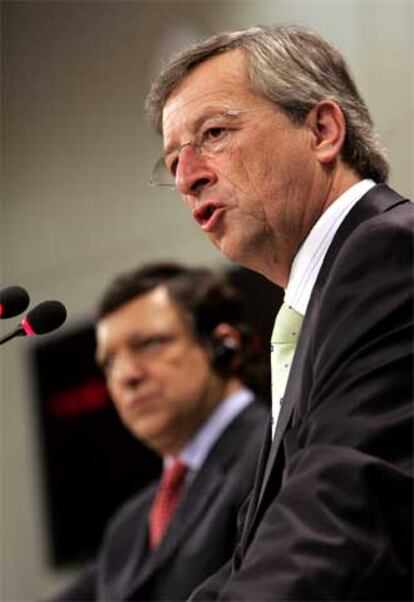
(223, 351)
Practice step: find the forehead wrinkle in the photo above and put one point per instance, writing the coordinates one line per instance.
(223, 89)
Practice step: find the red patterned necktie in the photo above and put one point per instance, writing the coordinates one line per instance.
(166, 501)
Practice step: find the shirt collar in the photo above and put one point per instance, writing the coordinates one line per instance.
(309, 258)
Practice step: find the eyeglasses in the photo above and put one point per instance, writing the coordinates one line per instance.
(214, 136)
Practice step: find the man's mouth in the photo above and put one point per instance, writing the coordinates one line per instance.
(140, 401)
(207, 214)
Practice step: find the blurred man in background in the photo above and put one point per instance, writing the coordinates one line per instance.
(269, 141)
(181, 365)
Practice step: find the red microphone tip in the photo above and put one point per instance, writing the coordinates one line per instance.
(27, 328)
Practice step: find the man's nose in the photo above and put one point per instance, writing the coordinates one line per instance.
(127, 371)
(194, 172)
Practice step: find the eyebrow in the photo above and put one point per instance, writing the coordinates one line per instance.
(102, 355)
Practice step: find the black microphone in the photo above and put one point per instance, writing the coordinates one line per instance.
(43, 318)
(13, 300)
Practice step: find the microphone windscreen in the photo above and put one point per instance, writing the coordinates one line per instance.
(13, 300)
(45, 317)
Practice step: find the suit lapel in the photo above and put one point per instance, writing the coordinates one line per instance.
(269, 461)
(199, 497)
(377, 200)
(195, 503)
(258, 480)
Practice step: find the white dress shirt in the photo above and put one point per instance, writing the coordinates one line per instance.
(307, 264)
(309, 258)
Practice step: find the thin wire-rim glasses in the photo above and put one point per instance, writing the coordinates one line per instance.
(211, 139)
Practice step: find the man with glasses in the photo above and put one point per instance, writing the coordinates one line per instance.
(181, 365)
(271, 145)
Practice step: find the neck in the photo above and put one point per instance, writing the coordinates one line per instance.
(177, 440)
(330, 188)
(343, 182)
(232, 385)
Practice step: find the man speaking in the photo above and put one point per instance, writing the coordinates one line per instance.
(269, 141)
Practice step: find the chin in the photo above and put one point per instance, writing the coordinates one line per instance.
(158, 438)
(239, 253)
(152, 443)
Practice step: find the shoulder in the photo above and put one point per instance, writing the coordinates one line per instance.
(236, 451)
(378, 253)
(381, 217)
(255, 413)
(362, 314)
(247, 430)
(373, 248)
(393, 223)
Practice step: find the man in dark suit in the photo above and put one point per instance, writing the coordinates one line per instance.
(271, 145)
(179, 361)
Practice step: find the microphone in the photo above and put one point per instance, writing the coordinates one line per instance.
(13, 300)
(43, 318)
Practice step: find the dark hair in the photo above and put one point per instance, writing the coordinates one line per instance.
(205, 299)
(294, 68)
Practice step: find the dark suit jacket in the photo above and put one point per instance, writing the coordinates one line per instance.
(330, 515)
(201, 537)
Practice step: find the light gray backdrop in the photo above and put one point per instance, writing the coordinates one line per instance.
(76, 158)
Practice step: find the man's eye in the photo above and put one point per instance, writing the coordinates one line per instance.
(214, 132)
(152, 343)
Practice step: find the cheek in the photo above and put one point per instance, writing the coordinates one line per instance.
(115, 393)
(254, 181)
(111, 387)
(190, 372)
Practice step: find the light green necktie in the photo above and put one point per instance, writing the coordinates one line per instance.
(283, 342)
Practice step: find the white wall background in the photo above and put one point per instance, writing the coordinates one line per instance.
(76, 155)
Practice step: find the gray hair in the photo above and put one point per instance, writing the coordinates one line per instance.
(294, 68)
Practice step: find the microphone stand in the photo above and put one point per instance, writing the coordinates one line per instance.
(19, 332)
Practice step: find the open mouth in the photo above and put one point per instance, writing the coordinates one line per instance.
(207, 214)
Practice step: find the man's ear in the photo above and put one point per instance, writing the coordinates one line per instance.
(327, 124)
(229, 332)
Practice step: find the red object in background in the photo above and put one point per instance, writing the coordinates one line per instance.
(91, 463)
(88, 397)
